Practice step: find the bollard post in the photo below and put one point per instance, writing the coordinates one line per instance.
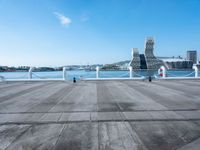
(64, 73)
(30, 72)
(130, 71)
(150, 79)
(74, 80)
(196, 70)
(163, 71)
(97, 72)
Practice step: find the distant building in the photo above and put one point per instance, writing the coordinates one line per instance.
(152, 61)
(177, 63)
(143, 63)
(124, 66)
(147, 60)
(135, 62)
(192, 56)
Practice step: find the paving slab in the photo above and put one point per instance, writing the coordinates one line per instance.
(190, 114)
(38, 137)
(165, 115)
(11, 89)
(137, 116)
(10, 133)
(117, 136)
(72, 117)
(50, 117)
(166, 135)
(195, 145)
(20, 118)
(106, 116)
(27, 100)
(76, 136)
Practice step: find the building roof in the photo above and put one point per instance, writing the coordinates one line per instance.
(173, 59)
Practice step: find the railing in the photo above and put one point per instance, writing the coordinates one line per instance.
(164, 74)
(104, 75)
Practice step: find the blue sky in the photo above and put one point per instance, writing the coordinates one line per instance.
(63, 32)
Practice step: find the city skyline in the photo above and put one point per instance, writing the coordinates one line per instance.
(57, 33)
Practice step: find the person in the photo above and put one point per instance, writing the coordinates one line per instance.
(74, 80)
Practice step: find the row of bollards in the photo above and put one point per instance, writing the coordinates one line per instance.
(161, 71)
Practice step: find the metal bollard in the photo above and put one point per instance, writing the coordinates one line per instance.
(97, 72)
(74, 80)
(30, 72)
(196, 70)
(131, 71)
(64, 73)
(150, 78)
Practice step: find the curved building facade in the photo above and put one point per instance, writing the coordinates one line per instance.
(151, 61)
(148, 60)
(135, 63)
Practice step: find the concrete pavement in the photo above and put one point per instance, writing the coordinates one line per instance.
(100, 115)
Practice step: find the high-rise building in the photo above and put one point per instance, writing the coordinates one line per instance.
(135, 63)
(147, 60)
(151, 60)
(192, 56)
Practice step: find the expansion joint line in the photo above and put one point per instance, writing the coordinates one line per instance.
(98, 135)
(125, 124)
(19, 136)
(64, 126)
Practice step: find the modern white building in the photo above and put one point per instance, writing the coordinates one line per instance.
(177, 63)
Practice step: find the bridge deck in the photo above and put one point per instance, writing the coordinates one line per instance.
(104, 115)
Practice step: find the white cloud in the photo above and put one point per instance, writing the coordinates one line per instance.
(63, 19)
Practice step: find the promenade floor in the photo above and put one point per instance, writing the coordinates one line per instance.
(100, 115)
